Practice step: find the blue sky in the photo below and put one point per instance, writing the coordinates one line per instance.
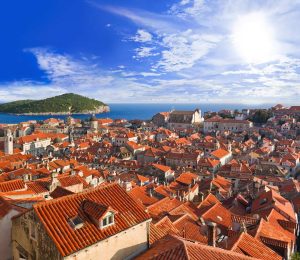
(217, 51)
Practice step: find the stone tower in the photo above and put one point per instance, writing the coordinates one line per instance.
(94, 123)
(8, 142)
(71, 135)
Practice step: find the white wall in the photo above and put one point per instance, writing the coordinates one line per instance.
(130, 242)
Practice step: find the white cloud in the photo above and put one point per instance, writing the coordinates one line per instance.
(20, 90)
(143, 52)
(181, 57)
(142, 36)
(184, 50)
(187, 8)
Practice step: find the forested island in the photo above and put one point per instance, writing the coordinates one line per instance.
(63, 104)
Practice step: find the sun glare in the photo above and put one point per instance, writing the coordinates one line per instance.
(253, 38)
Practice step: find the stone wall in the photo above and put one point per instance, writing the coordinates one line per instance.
(42, 247)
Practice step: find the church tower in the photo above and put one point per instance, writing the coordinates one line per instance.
(71, 135)
(8, 142)
(94, 123)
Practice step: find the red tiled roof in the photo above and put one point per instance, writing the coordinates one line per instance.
(248, 245)
(161, 167)
(210, 200)
(55, 214)
(220, 153)
(60, 192)
(142, 178)
(33, 138)
(13, 185)
(94, 209)
(189, 229)
(187, 178)
(163, 206)
(218, 214)
(175, 248)
(274, 200)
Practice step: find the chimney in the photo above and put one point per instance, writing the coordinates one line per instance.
(201, 196)
(211, 233)
(150, 192)
(54, 182)
(183, 232)
(243, 228)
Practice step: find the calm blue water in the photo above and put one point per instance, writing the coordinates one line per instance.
(132, 111)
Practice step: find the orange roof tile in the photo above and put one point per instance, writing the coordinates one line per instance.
(175, 248)
(161, 167)
(250, 246)
(12, 185)
(163, 206)
(220, 153)
(187, 178)
(54, 215)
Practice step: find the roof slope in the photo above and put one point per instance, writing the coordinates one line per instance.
(175, 248)
(253, 247)
(55, 214)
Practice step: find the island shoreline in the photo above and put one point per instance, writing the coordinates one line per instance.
(102, 110)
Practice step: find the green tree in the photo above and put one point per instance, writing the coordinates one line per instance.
(295, 256)
(261, 116)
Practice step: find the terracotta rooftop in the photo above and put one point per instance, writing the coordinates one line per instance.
(12, 185)
(220, 153)
(161, 167)
(175, 248)
(54, 216)
(60, 192)
(248, 245)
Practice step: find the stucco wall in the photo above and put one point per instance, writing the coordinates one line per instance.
(122, 246)
(127, 243)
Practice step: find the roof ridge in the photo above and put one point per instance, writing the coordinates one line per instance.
(88, 191)
(235, 245)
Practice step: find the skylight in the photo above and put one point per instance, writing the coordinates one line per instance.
(76, 222)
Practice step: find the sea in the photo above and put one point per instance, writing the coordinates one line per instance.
(131, 111)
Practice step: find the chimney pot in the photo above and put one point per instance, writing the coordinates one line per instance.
(212, 233)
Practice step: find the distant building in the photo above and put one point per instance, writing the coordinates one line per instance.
(122, 138)
(220, 124)
(8, 142)
(34, 144)
(161, 119)
(184, 119)
(187, 160)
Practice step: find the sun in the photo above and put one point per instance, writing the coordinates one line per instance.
(253, 38)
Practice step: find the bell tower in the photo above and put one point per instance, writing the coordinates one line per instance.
(8, 142)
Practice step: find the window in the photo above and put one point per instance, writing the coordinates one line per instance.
(108, 220)
(76, 222)
(105, 222)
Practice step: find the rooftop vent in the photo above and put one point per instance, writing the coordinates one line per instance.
(76, 222)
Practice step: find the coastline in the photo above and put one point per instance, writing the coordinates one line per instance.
(100, 110)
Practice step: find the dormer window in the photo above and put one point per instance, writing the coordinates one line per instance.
(108, 220)
(102, 215)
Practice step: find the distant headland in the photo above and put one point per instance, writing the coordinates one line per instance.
(65, 104)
